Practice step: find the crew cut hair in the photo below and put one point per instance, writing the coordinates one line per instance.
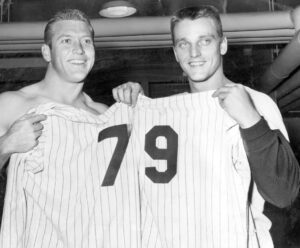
(194, 13)
(64, 15)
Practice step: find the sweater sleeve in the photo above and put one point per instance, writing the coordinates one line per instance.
(273, 165)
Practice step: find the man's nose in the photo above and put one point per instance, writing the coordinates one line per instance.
(78, 48)
(195, 50)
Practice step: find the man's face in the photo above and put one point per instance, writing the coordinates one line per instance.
(72, 54)
(198, 48)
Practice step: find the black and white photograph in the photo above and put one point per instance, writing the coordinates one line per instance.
(149, 123)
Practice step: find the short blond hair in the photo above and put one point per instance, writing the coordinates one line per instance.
(67, 14)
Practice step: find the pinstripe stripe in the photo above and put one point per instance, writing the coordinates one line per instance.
(99, 214)
(93, 235)
(70, 189)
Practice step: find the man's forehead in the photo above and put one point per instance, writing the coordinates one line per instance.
(202, 21)
(203, 26)
(70, 27)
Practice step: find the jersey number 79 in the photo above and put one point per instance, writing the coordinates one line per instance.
(169, 153)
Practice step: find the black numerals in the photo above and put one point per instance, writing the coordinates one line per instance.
(169, 153)
(121, 133)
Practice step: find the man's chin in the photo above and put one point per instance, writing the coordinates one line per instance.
(197, 79)
(78, 78)
(79, 73)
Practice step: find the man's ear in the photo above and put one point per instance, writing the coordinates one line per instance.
(223, 46)
(46, 52)
(175, 54)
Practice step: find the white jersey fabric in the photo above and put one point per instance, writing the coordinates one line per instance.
(194, 175)
(70, 190)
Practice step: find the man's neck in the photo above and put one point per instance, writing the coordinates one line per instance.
(213, 83)
(62, 92)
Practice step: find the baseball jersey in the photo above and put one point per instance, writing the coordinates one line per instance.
(70, 190)
(194, 174)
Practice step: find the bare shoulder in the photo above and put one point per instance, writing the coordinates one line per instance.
(11, 99)
(32, 89)
(12, 106)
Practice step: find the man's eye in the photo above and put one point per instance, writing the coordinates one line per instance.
(205, 42)
(66, 41)
(88, 41)
(182, 44)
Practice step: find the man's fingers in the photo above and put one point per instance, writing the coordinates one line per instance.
(134, 96)
(38, 126)
(115, 94)
(127, 95)
(222, 95)
(224, 89)
(221, 92)
(38, 134)
(121, 94)
(136, 90)
(27, 116)
(37, 118)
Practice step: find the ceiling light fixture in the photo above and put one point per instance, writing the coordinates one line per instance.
(117, 9)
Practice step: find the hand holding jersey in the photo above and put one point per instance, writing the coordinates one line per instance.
(235, 100)
(194, 175)
(127, 93)
(61, 193)
(172, 209)
(70, 191)
(23, 134)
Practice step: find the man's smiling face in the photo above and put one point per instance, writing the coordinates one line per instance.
(72, 50)
(198, 48)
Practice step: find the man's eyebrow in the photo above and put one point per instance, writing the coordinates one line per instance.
(199, 37)
(178, 40)
(70, 35)
(207, 36)
(63, 35)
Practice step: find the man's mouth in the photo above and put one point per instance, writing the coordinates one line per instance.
(196, 63)
(77, 61)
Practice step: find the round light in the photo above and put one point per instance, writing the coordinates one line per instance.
(117, 9)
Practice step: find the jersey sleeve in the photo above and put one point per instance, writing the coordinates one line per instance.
(273, 165)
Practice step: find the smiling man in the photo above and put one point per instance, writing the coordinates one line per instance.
(209, 159)
(69, 51)
(65, 187)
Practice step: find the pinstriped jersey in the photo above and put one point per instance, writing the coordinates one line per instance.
(194, 174)
(70, 190)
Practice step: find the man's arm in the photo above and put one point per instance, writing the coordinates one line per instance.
(17, 134)
(273, 164)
